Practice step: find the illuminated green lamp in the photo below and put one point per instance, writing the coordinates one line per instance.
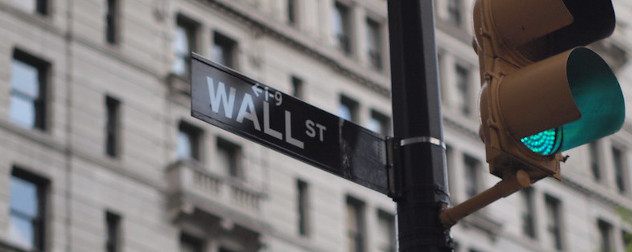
(598, 96)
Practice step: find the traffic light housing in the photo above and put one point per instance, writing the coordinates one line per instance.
(542, 93)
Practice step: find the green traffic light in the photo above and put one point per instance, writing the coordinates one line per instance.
(598, 96)
(544, 143)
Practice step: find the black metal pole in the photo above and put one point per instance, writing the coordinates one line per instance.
(421, 181)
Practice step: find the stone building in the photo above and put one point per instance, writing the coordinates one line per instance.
(98, 151)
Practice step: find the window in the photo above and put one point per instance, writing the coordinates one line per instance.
(472, 176)
(113, 232)
(379, 123)
(355, 225)
(605, 235)
(223, 50)
(528, 212)
(111, 21)
(228, 158)
(374, 43)
(291, 12)
(619, 169)
(27, 210)
(341, 27)
(112, 126)
(28, 91)
(386, 232)
(348, 109)
(188, 141)
(183, 43)
(463, 86)
(33, 6)
(190, 244)
(455, 12)
(297, 87)
(553, 222)
(595, 160)
(302, 207)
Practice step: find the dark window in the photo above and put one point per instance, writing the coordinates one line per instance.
(27, 210)
(33, 6)
(341, 27)
(605, 235)
(113, 232)
(183, 44)
(291, 12)
(302, 207)
(455, 12)
(619, 169)
(28, 91)
(223, 51)
(228, 157)
(553, 222)
(297, 87)
(355, 225)
(112, 126)
(111, 21)
(188, 141)
(223, 249)
(348, 109)
(595, 161)
(463, 86)
(386, 230)
(190, 244)
(472, 175)
(528, 213)
(374, 43)
(379, 123)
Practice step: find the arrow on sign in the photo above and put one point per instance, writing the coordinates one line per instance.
(256, 89)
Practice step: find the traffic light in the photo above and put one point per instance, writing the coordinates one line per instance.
(542, 92)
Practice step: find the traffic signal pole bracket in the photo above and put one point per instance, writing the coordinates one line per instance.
(509, 185)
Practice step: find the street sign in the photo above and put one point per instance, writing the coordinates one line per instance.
(243, 106)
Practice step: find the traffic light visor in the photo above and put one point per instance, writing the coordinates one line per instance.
(598, 96)
(562, 102)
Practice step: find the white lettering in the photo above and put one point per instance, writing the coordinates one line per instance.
(220, 96)
(288, 131)
(251, 114)
(321, 128)
(310, 128)
(266, 122)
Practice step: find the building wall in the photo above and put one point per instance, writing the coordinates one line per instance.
(160, 197)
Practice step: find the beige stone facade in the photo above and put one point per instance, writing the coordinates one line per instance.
(102, 137)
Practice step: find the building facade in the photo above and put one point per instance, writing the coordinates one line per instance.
(98, 151)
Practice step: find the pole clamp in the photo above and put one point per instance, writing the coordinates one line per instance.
(422, 139)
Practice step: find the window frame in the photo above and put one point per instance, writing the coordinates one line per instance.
(554, 223)
(113, 240)
(342, 38)
(40, 104)
(356, 234)
(353, 106)
(234, 151)
(112, 127)
(40, 225)
(303, 208)
(190, 28)
(382, 120)
(374, 33)
(194, 135)
(228, 46)
(112, 21)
